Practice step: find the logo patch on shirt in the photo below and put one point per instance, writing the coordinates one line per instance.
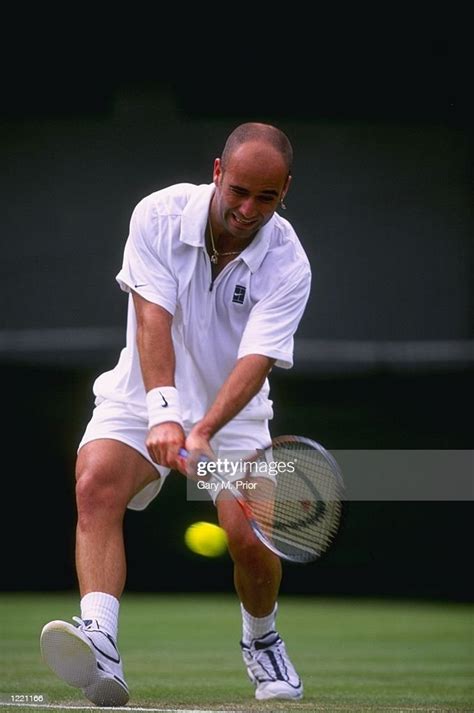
(239, 294)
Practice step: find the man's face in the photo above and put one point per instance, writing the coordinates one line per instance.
(249, 188)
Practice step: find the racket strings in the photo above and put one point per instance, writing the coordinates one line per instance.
(300, 508)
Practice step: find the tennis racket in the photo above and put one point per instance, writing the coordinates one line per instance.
(290, 492)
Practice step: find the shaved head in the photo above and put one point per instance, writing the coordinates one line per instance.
(258, 133)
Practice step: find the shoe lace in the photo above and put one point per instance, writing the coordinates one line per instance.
(84, 623)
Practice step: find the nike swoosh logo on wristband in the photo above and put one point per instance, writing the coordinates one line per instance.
(165, 403)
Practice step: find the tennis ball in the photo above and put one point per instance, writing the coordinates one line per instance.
(206, 539)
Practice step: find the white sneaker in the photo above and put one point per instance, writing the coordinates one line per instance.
(270, 669)
(86, 657)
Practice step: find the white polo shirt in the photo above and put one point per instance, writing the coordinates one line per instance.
(252, 307)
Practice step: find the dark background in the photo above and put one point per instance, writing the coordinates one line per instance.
(382, 201)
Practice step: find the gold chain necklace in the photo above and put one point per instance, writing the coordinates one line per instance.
(216, 255)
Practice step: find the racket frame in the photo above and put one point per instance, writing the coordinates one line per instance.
(229, 486)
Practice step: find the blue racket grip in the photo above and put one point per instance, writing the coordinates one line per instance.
(184, 454)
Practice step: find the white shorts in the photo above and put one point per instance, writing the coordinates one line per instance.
(116, 420)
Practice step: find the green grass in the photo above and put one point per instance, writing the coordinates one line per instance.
(182, 651)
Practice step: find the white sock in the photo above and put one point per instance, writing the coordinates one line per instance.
(102, 607)
(253, 627)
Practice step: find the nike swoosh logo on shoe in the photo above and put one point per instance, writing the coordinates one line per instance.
(104, 653)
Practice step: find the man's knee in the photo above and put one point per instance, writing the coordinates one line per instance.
(244, 546)
(99, 491)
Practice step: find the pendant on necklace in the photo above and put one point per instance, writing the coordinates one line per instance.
(214, 258)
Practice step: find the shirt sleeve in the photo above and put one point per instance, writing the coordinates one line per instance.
(274, 320)
(146, 261)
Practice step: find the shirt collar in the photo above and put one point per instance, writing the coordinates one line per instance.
(255, 252)
(194, 217)
(193, 228)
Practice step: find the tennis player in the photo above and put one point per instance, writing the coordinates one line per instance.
(218, 282)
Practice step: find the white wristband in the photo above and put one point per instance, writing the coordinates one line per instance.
(163, 405)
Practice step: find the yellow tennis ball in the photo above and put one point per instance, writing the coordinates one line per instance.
(206, 539)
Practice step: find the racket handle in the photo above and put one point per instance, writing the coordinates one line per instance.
(184, 454)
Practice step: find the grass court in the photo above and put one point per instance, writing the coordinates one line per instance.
(182, 652)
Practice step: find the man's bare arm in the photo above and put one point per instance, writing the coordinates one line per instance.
(242, 384)
(157, 362)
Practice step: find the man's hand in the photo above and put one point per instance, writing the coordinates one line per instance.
(198, 447)
(198, 442)
(163, 443)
